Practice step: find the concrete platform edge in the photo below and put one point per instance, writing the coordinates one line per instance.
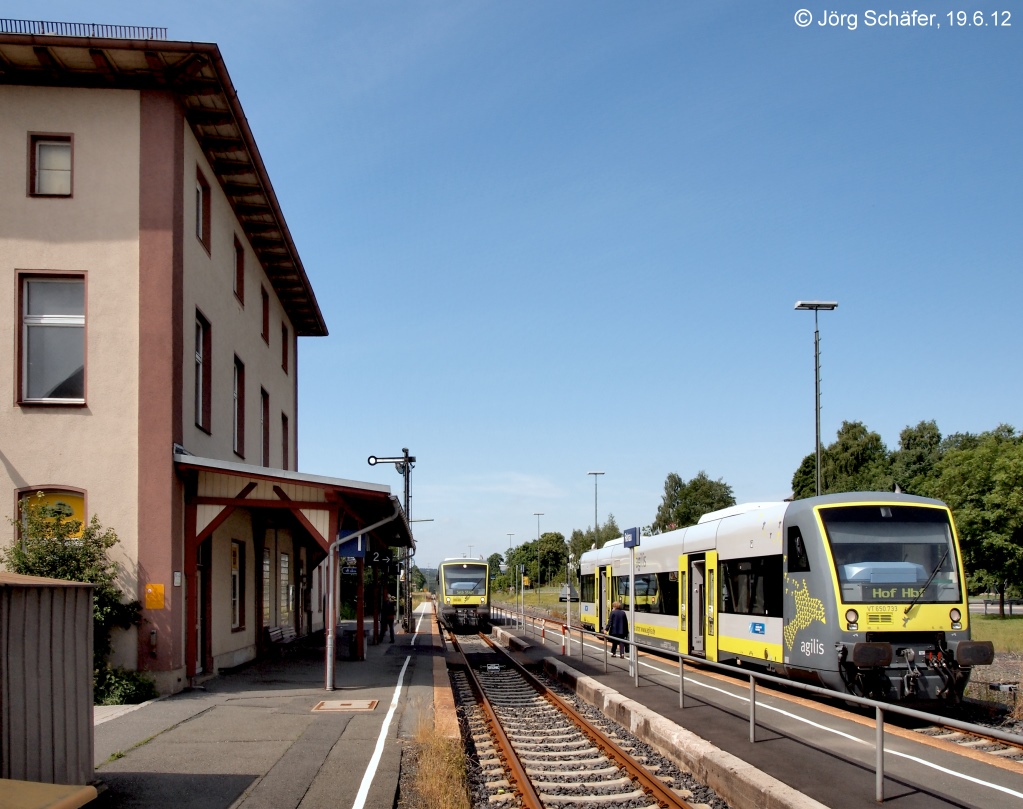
(742, 785)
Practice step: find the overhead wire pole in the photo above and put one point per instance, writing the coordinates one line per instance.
(815, 307)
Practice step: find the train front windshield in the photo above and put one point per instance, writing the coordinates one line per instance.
(465, 580)
(893, 554)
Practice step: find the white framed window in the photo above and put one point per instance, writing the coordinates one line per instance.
(264, 427)
(52, 351)
(50, 166)
(238, 428)
(203, 372)
(202, 209)
(285, 577)
(237, 585)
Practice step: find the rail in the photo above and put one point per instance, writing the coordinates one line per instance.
(880, 708)
(80, 29)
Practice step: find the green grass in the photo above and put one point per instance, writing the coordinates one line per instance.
(1005, 633)
(547, 599)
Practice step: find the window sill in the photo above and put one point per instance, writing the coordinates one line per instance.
(204, 428)
(52, 403)
(235, 629)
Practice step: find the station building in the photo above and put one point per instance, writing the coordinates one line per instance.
(151, 301)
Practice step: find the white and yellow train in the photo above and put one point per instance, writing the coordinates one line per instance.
(463, 595)
(862, 593)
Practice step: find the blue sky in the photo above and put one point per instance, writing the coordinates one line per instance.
(556, 236)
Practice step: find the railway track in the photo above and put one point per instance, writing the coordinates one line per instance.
(534, 750)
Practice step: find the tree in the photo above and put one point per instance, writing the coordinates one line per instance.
(582, 541)
(857, 461)
(494, 561)
(418, 579)
(981, 479)
(55, 545)
(553, 554)
(914, 461)
(684, 503)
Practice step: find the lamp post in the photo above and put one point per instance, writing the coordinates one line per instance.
(538, 515)
(596, 476)
(815, 307)
(405, 464)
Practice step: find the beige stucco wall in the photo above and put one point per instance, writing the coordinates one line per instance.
(236, 330)
(95, 232)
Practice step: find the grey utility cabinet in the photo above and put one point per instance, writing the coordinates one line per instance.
(46, 715)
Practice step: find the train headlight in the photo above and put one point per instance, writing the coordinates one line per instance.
(852, 617)
(447, 600)
(956, 617)
(483, 601)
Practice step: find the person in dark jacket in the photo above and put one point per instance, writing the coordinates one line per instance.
(617, 627)
(388, 617)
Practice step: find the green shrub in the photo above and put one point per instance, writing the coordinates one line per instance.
(53, 544)
(117, 686)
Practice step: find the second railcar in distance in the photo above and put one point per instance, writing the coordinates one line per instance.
(863, 593)
(463, 595)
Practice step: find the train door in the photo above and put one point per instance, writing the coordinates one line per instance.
(695, 614)
(683, 605)
(710, 640)
(603, 602)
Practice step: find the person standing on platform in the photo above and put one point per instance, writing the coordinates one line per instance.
(388, 616)
(617, 627)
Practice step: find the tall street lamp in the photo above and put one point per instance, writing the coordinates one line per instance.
(538, 515)
(596, 475)
(815, 307)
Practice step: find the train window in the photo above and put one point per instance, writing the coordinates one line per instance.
(751, 586)
(465, 579)
(588, 588)
(655, 592)
(798, 560)
(895, 553)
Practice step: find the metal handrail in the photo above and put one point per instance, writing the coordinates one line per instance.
(880, 708)
(80, 29)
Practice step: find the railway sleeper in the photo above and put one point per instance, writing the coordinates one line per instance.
(608, 800)
(581, 786)
(599, 762)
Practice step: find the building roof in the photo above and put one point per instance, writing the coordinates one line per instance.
(111, 57)
(362, 504)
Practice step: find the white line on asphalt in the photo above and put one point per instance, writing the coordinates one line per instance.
(374, 762)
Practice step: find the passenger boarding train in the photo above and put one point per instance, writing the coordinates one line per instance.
(463, 594)
(862, 593)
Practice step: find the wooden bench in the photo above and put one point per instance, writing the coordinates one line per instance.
(1009, 602)
(281, 637)
(32, 795)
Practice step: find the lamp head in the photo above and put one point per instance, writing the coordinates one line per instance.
(816, 306)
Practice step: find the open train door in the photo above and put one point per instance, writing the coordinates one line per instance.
(710, 639)
(694, 604)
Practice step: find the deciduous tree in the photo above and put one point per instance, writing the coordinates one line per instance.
(684, 503)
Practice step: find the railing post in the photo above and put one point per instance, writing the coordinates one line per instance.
(752, 709)
(681, 683)
(879, 765)
(562, 640)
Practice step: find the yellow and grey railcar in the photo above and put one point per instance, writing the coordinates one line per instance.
(863, 593)
(463, 595)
